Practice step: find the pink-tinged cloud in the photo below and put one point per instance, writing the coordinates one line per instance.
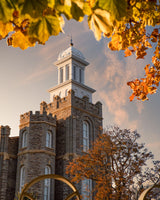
(111, 85)
(39, 73)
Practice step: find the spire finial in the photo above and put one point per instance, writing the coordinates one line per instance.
(71, 41)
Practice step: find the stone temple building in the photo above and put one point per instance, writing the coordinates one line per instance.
(50, 137)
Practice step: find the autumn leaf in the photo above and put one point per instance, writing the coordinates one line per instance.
(18, 39)
(5, 29)
(99, 22)
(44, 28)
(116, 42)
(77, 12)
(66, 10)
(132, 97)
(117, 9)
(34, 8)
(6, 10)
(128, 52)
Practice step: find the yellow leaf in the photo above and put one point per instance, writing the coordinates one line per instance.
(5, 29)
(100, 22)
(94, 27)
(18, 39)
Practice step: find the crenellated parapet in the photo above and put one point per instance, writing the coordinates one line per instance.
(38, 116)
(4, 130)
(84, 104)
(72, 101)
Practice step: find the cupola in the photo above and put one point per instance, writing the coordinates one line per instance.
(71, 65)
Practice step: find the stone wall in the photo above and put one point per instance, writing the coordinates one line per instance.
(8, 163)
(36, 156)
(71, 111)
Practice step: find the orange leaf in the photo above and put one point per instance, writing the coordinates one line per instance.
(128, 52)
(132, 97)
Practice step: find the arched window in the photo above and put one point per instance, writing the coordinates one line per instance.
(22, 177)
(60, 94)
(47, 184)
(86, 189)
(85, 136)
(66, 92)
(48, 139)
(24, 139)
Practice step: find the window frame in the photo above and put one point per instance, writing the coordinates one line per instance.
(48, 139)
(86, 189)
(74, 72)
(80, 75)
(24, 139)
(67, 72)
(61, 75)
(47, 183)
(85, 136)
(22, 177)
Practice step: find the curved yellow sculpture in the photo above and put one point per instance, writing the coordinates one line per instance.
(51, 176)
(145, 192)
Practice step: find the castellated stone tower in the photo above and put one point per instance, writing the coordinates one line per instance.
(79, 121)
(36, 154)
(8, 163)
(62, 129)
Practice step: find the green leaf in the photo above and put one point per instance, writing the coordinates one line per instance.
(117, 8)
(77, 12)
(66, 10)
(6, 10)
(44, 28)
(33, 7)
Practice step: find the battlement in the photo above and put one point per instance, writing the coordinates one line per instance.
(71, 99)
(4, 130)
(84, 103)
(37, 116)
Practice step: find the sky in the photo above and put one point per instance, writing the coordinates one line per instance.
(25, 77)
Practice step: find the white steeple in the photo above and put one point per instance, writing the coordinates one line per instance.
(71, 74)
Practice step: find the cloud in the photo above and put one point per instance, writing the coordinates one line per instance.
(39, 73)
(155, 145)
(111, 85)
(140, 106)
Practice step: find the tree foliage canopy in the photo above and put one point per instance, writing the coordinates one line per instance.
(114, 163)
(126, 22)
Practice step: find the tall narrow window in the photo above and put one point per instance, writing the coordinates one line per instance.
(61, 75)
(87, 189)
(80, 75)
(74, 72)
(48, 139)
(67, 72)
(85, 136)
(22, 177)
(24, 139)
(66, 92)
(47, 184)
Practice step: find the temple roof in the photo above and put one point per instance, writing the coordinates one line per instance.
(71, 51)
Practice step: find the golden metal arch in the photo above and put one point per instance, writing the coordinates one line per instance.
(145, 192)
(51, 176)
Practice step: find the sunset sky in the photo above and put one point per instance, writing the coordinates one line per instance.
(27, 75)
